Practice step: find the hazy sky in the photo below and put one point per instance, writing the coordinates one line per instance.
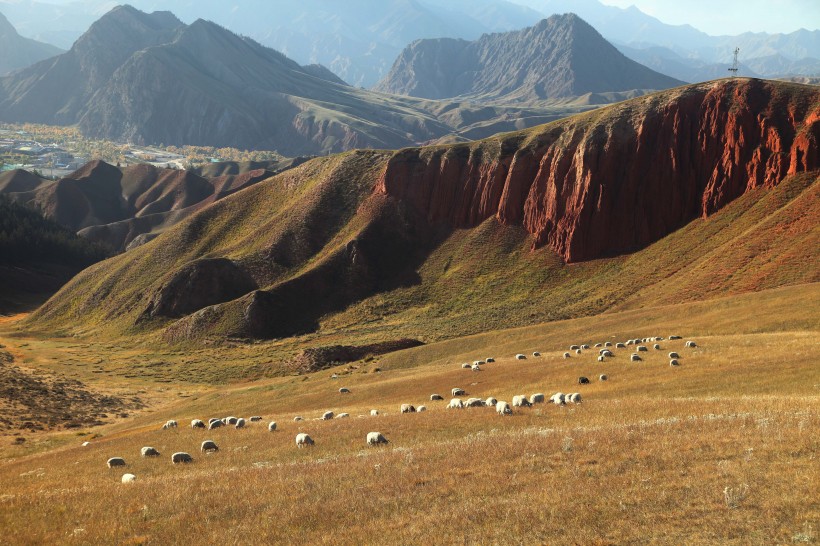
(732, 16)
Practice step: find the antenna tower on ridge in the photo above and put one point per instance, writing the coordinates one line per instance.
(733, 70)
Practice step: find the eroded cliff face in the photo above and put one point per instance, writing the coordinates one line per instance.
(618, 179)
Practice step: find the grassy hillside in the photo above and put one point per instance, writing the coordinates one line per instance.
(726, 439)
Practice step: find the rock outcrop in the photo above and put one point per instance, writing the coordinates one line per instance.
(613, 181)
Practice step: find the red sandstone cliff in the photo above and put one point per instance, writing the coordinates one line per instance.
(622, 177)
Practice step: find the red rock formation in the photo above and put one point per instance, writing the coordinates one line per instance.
(619, 178)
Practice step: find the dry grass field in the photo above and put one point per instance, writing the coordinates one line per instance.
(722, 449)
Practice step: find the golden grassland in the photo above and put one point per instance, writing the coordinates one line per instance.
(723, 449)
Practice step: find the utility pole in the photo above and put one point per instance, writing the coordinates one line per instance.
(733, 70)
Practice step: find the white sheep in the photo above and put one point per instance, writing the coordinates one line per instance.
(375, 438)
(169, 424)
(642, 348)
(558, 399)
(344, 390)
(490, 402)
(149, 451)
(116, 461)
(298, 418)
(674, 362)
(574, 347)
(240, 423)
(585, 346)
(620, 345)
(603, 377)
(181, 457)
(128, 478)
(476, 368)
(608, 344)
(465, 366)
(537, 398)
(455, 403)
(436, 397)
(503, 408)
(536, 353)
(458, 392)
(691, 344)
(230, 420)
(519, 400)
(675, 337)
(489, 360)
(272, 426)
(474, 403)
(421, 408)
(478, 362)
(577, 351)
(566, 355)
(575, 398)
(255, 419)
(374, 412)
(326, 416)
(408, 408)
(519, 356)
(302, 440)
(601, 358)
(598, 345)
(673, 354)
(657, 347)
(197, 423)
(208, 446)
(215, 424)
(342, 416)
(635, 358)
(607, 353)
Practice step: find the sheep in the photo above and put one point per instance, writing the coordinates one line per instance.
(490, 402)
(583, 380)
(675, 337)
(197, 423)
(436, 397)
(209, 446)
(375, 438)
(620, 345)
(635, 358)
(476, 368)
(116, 461)
(181, 457)
(474, 403)
(558, 399)
(128, 478)
(374, 412)
(608, 344)
(585, 346)
(169, 424)
(255, 419)
(642, 348)
(607, 353)
(408, 408)
(85, 444)
(601, 358)
(458, 392)
(536, 353)
(342, 416)
(478, 362)
(489, 360)
(577, 351)
(598, 345)
(344, 390)
(657, 347)
(326, 416)
(465, 366)
(240, 423)
(421, 408)
(230, 420)
(272, 426)
(566, 355)
(575, 398)
(519, 401)
(503, 408)
(673, 354)
(215, 424)
(691, 344)
(455, 403)
(303, 440)
(298, 418)
(149, 451)
(574, 347)
(674, 362)
(519, 356)
(603, 377)
(213, 420)
(537, 398)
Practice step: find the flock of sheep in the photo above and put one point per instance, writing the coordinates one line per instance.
(376, 438)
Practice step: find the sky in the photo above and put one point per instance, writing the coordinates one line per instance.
(732, 16)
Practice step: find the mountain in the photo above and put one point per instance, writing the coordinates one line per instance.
(141, 77)
(559, 57)
(123, 208)
(18, 52)
(709, 188)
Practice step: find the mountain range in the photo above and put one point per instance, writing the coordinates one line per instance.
(662, 195)
(559, 57)
(19, 52)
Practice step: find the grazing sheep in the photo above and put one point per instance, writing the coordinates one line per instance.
(375, 438)
(474, 403)
(607, 353)
(209, 446)
(599, 345)
(181, 457)
(558, 399)
(585, 346)
(436, 397)
(344, 390)
(231, 420)
(657, 347)
(421, 408)
(675, 337)
(520, 401)
(566, 355)
(673, 354)
(116, 461)
(603, 377)
(476, 368)
(197, 423)
(465, 366)
(408, 408)
(490, 402)
(455, 403)
(575, 398)
(620, 345)
(601, 358)
(574, 347)
(215, 424)
(674, 362)
(272, 426)
(148, 451)
(608, 344)
(577, 351)
(255, 419)
(519, 356)
(298, 418)
(302, 440)
(642, 348)
(240, 423)
(583, 380)
(213, 419)
(536, 353)
(85, 444)
(478, 362)
(503, 408)
(537, 398)
(169, 424)
(374, 412)
(458, 392)
(635, 358)
(342, 416)
(489, 360)
(128, 478)
(326, 416)
(691, 344)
